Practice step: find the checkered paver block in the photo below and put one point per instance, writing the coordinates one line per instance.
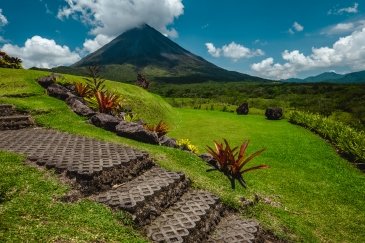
(82, 157)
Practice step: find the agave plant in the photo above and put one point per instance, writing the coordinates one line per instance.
(105, 102)
(161, 128)
(231, 162)
(83, 90)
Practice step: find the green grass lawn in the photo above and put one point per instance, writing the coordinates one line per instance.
(321, 196)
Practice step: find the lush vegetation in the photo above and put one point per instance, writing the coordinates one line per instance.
(342, 102)
(309, 193)
(345, 138)
(7, 61)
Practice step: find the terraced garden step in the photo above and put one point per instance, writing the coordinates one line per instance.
(14, 122)
(147, 195)
(189, 220)
(233, 229)
(6, 109)
(94, 165)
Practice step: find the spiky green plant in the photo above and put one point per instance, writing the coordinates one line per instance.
(231, 162)
(95, 81)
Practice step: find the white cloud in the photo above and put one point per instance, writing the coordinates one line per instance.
(96, 43)
(351, 10)
(42, 52)
(3, 20)
(344, 28)
(233, 51)
(212, 50)
(348, 51)
(296, 27)
(113, 17)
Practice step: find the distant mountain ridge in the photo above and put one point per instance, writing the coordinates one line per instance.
(331, 77)
(146, 50)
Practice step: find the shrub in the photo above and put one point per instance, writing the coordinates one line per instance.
(231, 163)
(7, 61)
(345, 138)
(186, 144)
(142, 81)
(161, 128)
(105, 102)
(83, 90)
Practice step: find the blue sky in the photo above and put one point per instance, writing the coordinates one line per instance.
(273, 39)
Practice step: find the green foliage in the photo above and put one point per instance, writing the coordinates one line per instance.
(230, 162)
(161, 128)
(186, 144)
(95, 82)
(7, 61)
(347, 139)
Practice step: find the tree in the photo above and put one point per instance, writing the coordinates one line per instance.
(7, 61)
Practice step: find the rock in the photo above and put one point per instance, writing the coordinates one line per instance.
(108, 122)
(79, 107)
(137, 132)
(46, 81)
(274, 113)
(208, 158)
(168, 142)
(59, 92)
(242, 109)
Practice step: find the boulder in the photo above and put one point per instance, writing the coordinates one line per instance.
(46, 81)
(274, 113)
(79, 107)
(137, 132)
(242, 109)
(208, 158)
(108, 122)
(168, 142)
(59, 92)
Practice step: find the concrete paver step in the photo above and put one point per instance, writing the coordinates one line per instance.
(233, 229)
(15, 122)
(189, 220)
(147, 195)
(96, 165)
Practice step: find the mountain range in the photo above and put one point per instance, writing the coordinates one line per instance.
(331, 77)
(146, 50)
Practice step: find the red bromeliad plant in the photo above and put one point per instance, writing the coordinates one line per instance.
(106, 102)
(231, 162)
(83, 90)
(161, 128)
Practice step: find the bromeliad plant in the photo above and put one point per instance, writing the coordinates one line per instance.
(95, 82)
(161, 128)
(105, 102)
(231, 162)
(83, 90)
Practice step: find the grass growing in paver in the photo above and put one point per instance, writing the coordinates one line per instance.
(317, 195)
(31, 212)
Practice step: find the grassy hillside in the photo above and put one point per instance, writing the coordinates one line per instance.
(15, 83)
(315, 195)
